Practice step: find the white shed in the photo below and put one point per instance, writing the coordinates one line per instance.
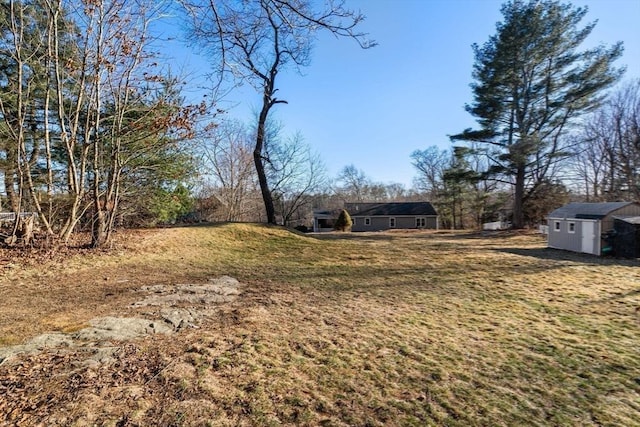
(580, 227)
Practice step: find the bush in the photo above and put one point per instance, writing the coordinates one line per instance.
(343, 223)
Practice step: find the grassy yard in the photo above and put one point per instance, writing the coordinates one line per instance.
(380, 329)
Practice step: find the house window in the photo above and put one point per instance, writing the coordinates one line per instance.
(353, 221)
(421, 222)
(556, 225)
(392, 223)
(367, 221)
(572, 227)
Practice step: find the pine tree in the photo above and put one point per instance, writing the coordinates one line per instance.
(531, 83)
(344, 222)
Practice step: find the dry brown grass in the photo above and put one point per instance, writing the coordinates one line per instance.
(416, 328)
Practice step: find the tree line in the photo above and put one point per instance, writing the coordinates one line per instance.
(95, 132)
(91, 125)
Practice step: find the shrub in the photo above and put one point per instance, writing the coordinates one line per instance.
(343, 223)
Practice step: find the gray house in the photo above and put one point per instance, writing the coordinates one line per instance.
(584, 227)
(323, 220)
(386, 216)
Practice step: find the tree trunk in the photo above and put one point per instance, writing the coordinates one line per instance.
(10, 189)
(264, 185)
(99, 228)
(518, 202)
(267, 197)
(26, 229)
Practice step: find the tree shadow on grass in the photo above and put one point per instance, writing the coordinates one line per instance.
(364, 236)
(560, 255)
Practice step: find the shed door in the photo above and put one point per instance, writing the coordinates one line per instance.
(588, 236)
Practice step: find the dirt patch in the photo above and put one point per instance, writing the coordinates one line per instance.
(175, 307)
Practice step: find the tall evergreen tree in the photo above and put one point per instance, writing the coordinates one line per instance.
(531, 83)
(458, 181)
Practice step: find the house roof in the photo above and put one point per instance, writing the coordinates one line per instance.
(390, 209)
(587, 210)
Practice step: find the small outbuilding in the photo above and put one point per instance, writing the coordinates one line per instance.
(625, 238)
(389, 216)
(588, 227)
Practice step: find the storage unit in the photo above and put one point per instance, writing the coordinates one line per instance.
(625, 239)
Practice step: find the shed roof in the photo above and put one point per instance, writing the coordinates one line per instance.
(629, 219)
(587, 210)
(390, 209)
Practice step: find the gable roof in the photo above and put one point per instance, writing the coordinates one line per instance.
(391, 209)
(587, 210)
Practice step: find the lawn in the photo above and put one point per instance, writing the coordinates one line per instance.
(371, 329)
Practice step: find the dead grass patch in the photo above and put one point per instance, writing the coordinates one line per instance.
(345, 329)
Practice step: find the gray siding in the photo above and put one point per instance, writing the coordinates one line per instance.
(563, 239)
(380, 223)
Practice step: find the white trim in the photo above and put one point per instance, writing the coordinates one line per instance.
(392, 222)
(556, 226)
(367, 221)
(570, 225)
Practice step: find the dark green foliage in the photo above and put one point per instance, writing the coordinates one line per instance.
(458, 181)
(168, 206)
(344, 222)
(547, 197)
(531, 82)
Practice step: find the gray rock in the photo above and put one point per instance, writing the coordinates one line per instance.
(120, 328)
(36, 345)
(180, 318)
(204, 295)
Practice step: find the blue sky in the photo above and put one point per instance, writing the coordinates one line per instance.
(372, 108)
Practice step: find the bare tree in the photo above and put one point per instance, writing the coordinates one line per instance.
(257, 39)
(127, 111)
(295, 173)
(453, 181)
(85, 108)
(24, 99)
(625, 117)
(227, 155)
(430, 164)
(395, 191)
(354, 184)
(607, 160)
(590, 163)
